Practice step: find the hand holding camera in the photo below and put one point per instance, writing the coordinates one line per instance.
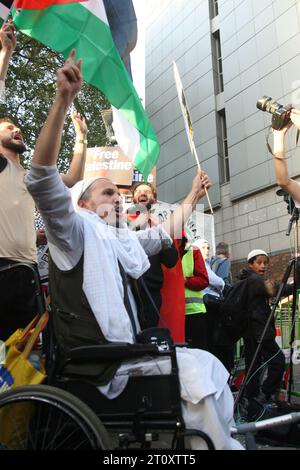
(281, 115)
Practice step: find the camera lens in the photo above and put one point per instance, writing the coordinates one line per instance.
(272, 106)
(263, 102)
(280, 114)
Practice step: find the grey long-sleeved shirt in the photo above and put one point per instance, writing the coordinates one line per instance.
(64, 227)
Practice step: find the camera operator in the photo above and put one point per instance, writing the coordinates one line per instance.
(280, 165)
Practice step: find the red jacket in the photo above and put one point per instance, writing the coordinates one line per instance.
(199, 280)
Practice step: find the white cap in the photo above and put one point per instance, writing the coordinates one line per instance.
(80, 187)
(199, 242)
(254, 253)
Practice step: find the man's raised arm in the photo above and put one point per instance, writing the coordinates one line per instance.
(53, 199)
(76, 170)
(280, 164)
(8, 43)
(69, 81)
(174, 224)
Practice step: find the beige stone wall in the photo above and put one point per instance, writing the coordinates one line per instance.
(259, 221)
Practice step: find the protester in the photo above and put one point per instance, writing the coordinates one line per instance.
(259, 293)
(144, 196)
(18, 238)
(221, 264)
(195, 280)
(217, 343)
(17, 234)
(92, 250)
(216, 283)
(74, 174)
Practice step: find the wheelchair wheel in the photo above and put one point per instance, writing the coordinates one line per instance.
(43, 417)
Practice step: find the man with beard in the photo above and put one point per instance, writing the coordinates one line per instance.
(17, 234)
(18, 237)
(144, 196)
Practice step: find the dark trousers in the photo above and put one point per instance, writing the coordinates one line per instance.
(17, 299)
(218, 343)
(150, 313)
(196, 330)
(275, 366)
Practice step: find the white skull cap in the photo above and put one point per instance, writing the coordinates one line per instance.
(199, 242)
(79, 188)
(254, 253)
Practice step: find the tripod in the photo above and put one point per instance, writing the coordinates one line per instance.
(292, 267)
(293, 220)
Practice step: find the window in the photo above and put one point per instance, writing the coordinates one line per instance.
(213, 8)
(223, 147)
(217, 62)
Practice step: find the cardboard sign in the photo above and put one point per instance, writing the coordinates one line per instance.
(109, 162)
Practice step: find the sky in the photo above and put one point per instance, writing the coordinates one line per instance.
(138, 54)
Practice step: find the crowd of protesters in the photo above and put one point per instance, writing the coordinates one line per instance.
(109, 267)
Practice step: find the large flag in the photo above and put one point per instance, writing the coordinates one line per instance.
(123, 26)
(66, 24)
(5, 6)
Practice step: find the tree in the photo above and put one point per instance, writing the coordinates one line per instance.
(30, 90)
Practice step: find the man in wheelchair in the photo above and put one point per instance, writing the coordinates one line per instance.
(94, 262)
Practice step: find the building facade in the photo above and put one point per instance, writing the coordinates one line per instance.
(229, 54)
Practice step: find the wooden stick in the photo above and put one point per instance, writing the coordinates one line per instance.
(188, 122)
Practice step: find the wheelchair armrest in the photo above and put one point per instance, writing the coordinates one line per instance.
(111, 351)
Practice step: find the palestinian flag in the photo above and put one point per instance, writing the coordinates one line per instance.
(66, 24)
(5, 6)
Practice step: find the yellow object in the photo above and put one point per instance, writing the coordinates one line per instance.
(17, 371)
(193, 299)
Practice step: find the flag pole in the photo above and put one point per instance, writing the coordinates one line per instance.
(188, 122)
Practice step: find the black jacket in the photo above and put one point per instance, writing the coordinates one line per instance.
(259, 305)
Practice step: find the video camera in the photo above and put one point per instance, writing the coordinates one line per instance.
(280, 113)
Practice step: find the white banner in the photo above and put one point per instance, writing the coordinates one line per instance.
(199, 225)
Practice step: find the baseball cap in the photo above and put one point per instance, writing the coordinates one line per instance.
(254, 253)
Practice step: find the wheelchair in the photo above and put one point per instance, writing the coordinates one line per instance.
(69, 412)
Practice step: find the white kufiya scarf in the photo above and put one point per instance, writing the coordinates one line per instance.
(104, 247)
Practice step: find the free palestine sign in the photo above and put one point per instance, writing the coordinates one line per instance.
(109, 162)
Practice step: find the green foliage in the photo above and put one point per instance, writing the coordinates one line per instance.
(30, 90)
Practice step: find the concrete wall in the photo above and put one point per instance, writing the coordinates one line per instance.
(260, 221)
(260, 42)
(261, 56)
